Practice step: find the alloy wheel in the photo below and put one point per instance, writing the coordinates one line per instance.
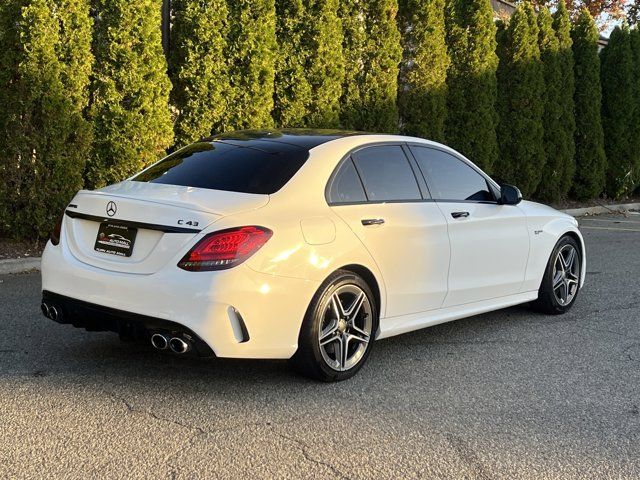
(345, 330)
(566, 275)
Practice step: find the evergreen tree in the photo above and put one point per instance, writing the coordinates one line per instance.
(198, 68)
(567, 124)
(635, 125)
(325, 63)
(521, 102)
(559, 123)
(130, 101)
(590, 158)
(373, 54)
(618, 112)
(292, 88)
(44, 138)
(252, 50)
(422, 90)
(471, 79)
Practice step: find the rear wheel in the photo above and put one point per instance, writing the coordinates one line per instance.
(338, 331)
(561, 281)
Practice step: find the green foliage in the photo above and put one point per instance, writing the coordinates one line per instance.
(252, 50)
(590, 158)
(521, 101)
(373, 54)
(198, 68)
(635, 125)
(130, 104)
(44, 138)
(292, 88)
(618, 113)
(422, 92)
(471, 100)
(559, 124)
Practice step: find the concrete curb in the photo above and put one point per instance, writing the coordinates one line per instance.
(580, 212)
(19, 265)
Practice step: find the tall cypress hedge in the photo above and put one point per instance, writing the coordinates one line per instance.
(292, 89)
(559, 123)
(325, 62)
(198, 68)
(521, 102)
(422, 95)
(618, 112)
(373, 54)
(589, 179)
(252, 51)
(635, 129)
(471, 79)
(44, 138)
(130, 104)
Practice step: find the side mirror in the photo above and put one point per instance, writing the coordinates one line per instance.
(510, 195)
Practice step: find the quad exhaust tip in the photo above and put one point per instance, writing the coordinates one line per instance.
(159, 341)
(53, 313)
(50, 311)
(178, 345)
(45, 309)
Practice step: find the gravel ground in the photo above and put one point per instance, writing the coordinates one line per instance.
(511, 394)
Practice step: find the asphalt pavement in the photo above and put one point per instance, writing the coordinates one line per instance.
(510, 394)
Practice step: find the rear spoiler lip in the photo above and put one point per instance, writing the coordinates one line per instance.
(129, 223)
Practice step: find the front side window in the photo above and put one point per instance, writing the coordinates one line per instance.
(346, 186)
(450, 178)
(386, 174)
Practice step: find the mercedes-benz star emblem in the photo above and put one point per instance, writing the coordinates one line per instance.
(111, 209)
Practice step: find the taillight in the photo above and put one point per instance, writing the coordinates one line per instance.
(55, 234)
(225, 249)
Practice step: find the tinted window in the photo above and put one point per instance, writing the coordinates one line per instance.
(386, 174)
(249, 167)
(450, 178)
(346, 186)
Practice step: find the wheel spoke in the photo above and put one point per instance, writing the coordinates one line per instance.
(571, 258)
(361, 336)
(344, 350)
(557, 280)
(336, 306)
(354, 308)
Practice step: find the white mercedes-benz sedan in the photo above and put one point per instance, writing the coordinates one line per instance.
(304, 245)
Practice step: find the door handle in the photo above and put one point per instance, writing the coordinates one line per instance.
(459, 214)
(372, 221)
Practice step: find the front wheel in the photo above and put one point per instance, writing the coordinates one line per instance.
(561, 281)
(338, 330)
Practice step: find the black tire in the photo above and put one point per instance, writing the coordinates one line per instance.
(309, 359)
(547, 301)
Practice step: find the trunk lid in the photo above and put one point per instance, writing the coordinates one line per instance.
(165, 219)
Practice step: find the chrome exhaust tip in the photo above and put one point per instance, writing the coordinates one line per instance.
(53, 313)
(45, 309)
(159, 341)
(178, 345)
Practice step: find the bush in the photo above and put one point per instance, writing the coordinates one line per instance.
(521, 102)
(635, 128)
(198, 68)
(471, 80)
(252, 50)
(44, 138)
(373, 54)
(559, 124)
(130, 101)
(422, 95)
(590, 158)
(618, 113)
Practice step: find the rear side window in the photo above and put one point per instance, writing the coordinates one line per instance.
(258, 167)
(346, 186)
(450, 178)
(386, 173)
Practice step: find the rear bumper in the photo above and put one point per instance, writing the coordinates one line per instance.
(207, 304)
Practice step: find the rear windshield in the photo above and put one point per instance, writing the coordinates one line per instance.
(249, 167)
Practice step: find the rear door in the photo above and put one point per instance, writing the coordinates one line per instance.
(380, 195)
(489, 242)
